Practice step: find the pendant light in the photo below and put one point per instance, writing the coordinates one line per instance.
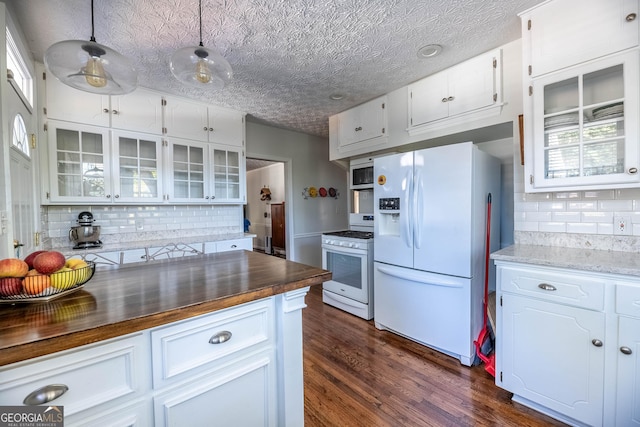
(90, 66)
(200, 66)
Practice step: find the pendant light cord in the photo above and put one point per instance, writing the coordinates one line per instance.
(200, 11)
(93, 39)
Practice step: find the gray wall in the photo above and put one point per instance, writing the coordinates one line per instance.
(306, 164)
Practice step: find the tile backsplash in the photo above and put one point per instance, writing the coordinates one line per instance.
(133, 223)
(582, 212)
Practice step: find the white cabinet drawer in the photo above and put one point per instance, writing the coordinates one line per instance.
(628, 299)
(94, 375)
(184, 347)
(574, 289)
(234, 245)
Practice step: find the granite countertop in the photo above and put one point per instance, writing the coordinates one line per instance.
(612, 262)
(136, 297)
(68, 250)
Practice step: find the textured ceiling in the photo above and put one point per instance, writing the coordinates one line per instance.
(287, 56)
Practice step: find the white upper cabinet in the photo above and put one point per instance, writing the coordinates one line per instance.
(92, 165)
(466, 87)
(140, 110)
(581, 92)
(559, 34)
(358, 130)
(362, 123)
(585, 125)
(201, 122)
(205, 173)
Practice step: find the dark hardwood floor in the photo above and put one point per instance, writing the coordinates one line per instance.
(356, 375)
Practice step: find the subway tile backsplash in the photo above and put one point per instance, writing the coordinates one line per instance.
(135, 223)
(588, 212)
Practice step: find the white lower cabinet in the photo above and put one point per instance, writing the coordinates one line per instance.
(224, 362)
(568, 343)
(88, 382)
(240, 366)
(555, 356)
(242, 394)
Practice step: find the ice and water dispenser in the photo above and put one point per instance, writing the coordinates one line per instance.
(389, 218)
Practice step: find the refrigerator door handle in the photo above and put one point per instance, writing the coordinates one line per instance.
(407, 224)
(417, 209)
(420, 278)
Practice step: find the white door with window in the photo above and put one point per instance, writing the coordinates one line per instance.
(23, 204)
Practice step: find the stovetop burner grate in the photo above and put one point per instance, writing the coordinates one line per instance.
(353, 234)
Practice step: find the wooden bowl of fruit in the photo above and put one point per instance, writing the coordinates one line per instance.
(42, 276)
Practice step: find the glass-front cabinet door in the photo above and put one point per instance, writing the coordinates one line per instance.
(188, 171)
(586, 125)
(228, 175)
(79, 163)
(136, 175)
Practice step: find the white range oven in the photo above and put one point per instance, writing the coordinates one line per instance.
(349, 256)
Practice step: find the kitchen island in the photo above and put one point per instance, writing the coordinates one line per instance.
(144, 326)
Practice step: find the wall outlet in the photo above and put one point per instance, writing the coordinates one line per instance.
(621, 226)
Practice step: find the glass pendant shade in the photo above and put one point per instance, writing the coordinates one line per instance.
(201, 67)
(91, 67)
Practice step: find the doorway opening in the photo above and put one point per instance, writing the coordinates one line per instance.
(265, 213)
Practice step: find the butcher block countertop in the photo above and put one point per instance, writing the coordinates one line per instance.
(119, 301)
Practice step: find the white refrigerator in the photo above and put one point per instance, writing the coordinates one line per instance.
(430, 209)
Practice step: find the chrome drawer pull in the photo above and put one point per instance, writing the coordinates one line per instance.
(547, 287)
(596, 342)
(45, 394)
(625, 350)
(220, 337)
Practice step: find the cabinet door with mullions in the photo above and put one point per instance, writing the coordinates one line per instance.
(136, 175)
(585, 125)
(79, 163)
(188, 171)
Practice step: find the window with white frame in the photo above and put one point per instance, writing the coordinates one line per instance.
(18, 72)
(20, 139)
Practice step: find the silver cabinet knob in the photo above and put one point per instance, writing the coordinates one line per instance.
(633, 171)
(210, 129)
(115, 112)
(359, 128)
(220, 337)
(45, 394)
(205, 128)
(630, 17)
(451, 98)
(625, 350)
(444, 99)
(108, 196)
(105, 110)
(596, 342)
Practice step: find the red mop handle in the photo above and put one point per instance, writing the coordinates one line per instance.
(486, 261)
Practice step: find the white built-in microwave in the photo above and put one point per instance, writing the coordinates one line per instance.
(361, 173)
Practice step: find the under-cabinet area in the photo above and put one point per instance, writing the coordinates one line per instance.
(567, 341)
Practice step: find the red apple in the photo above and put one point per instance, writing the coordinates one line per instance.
(13, 267)
(10, 286)
(29, 259)
(48, 262)
(34, 283)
